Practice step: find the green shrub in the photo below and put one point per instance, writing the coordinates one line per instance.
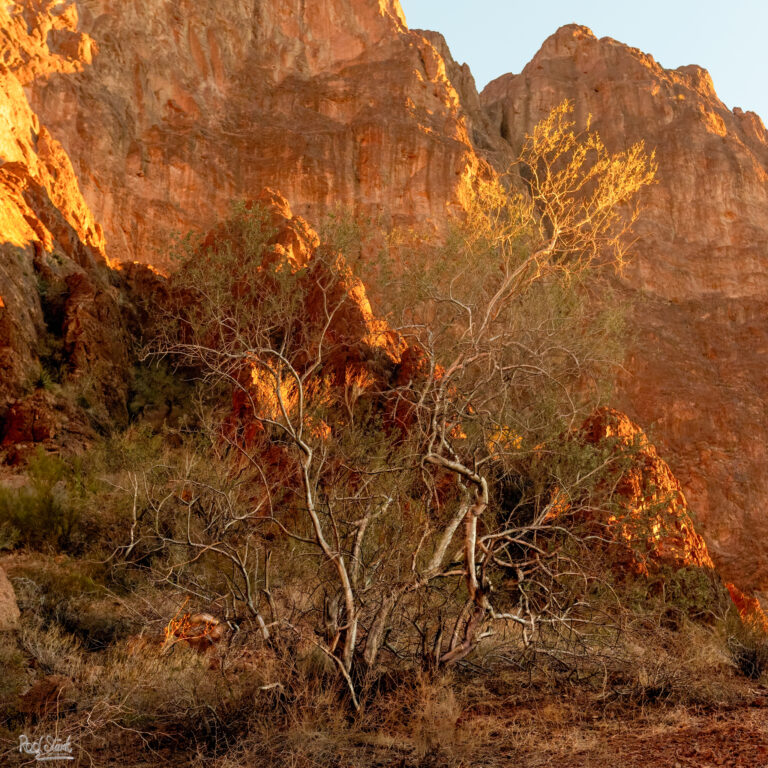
(51, 351)
(748, 647)
(157, 390)
(41, 513)
(676, 593)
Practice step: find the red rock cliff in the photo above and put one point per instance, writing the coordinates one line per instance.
(699, 278)
(54, 289)
(190, 105)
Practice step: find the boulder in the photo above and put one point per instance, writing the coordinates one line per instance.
(9, 609)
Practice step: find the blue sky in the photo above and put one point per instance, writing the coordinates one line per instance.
(498, 36)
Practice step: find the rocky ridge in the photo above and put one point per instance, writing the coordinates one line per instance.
(191, 105)
(169, 111)
(698, 278)
(59, 315)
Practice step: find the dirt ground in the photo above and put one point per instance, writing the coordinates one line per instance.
(735, 739)
(675, 738)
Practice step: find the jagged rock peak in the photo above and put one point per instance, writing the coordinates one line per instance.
(697, 278)
(565, 40)
(700, 143)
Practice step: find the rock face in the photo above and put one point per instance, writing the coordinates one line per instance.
(40, 206)
(186, 106)
(699, 279)
(652, 516)
(59, 316)
(191, 105)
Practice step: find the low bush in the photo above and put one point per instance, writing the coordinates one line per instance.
(13, 681)
(748, 646)
(42, 513)
(73, 596)
(158, 393)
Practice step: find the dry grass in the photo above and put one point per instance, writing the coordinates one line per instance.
(134, 702)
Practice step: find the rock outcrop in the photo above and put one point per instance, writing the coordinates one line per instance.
(361, 354)
(749, 609)
(699, 276)
(59, 314)
(200, 631)
(651, 517)
(191, 105)
(170, 110)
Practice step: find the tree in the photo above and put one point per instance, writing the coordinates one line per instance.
(427, 464)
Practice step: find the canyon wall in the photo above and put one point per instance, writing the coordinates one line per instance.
(698, 278)
(191, 105)
(170, 110)
(56, 300)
